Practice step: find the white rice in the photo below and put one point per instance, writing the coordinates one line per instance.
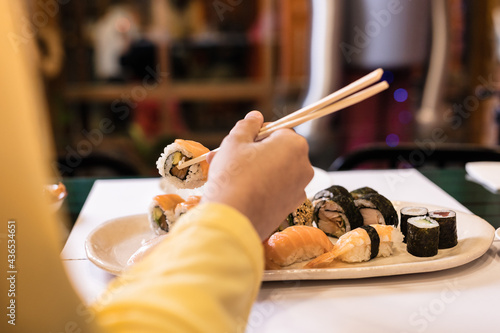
(194, 178)
(361, 251)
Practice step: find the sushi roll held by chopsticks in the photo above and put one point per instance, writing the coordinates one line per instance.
(175, 154)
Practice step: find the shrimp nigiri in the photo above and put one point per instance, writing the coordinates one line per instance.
(360, 244)
(294, 244)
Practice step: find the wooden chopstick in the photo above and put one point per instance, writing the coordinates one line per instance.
(310, 115)
(350, 89)
(346, 102)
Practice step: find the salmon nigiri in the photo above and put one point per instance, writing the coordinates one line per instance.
(295, 244)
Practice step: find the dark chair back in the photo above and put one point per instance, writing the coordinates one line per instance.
(415, 155)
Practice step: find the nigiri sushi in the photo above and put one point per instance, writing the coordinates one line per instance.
(295, 244)
(180, 151)
(361, 244)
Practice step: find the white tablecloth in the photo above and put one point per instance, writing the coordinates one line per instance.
(460, 299)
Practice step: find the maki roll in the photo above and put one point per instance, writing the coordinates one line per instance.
(331, 192)
(180, 151)
(377, 209)
(162, 212)
(447, 220)
(190, 202)
(303, 215)
(409, 212)
(167, 208)
(362, 191)
(423, 236)
(335, 212)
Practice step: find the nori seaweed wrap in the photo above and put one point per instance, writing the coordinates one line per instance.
(377, 209)
(331, 192)
(447, 220)
(335, 212)
(407, 213)
(423, 236)
(362, 191)
(374, 240)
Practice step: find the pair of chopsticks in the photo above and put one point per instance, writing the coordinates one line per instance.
(341, 99)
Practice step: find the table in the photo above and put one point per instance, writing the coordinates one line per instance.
(454, 300)
(474, 196)
(452, 180)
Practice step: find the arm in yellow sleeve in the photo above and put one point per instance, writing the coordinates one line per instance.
(203, 278)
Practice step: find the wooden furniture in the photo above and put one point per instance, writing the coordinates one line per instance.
(173, 95)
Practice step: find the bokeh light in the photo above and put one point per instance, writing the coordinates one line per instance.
(392, 140)
(405, 117)
(400, 95)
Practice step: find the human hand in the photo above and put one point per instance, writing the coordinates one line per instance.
(263, 180)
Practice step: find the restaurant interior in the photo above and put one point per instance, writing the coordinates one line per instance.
(124, 78)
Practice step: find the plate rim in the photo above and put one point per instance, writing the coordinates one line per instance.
(89, 250)
(423, 266)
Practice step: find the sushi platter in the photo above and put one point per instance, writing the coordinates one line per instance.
(110, 250)
(335, 234)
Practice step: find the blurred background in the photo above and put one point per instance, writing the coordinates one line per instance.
(125, 78)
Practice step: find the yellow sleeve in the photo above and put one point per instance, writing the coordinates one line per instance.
(203, 278)
(37, 297)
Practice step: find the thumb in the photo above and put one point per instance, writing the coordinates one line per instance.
(248, 128)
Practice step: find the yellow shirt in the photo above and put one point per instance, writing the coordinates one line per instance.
(204, 277)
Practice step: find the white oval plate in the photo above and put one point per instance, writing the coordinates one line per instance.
(111, 244)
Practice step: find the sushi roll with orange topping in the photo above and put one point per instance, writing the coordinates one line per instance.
(165, 209)
(162, 212)
(175, 154)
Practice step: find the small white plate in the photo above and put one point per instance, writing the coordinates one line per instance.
(497, 234)
(111, 244)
